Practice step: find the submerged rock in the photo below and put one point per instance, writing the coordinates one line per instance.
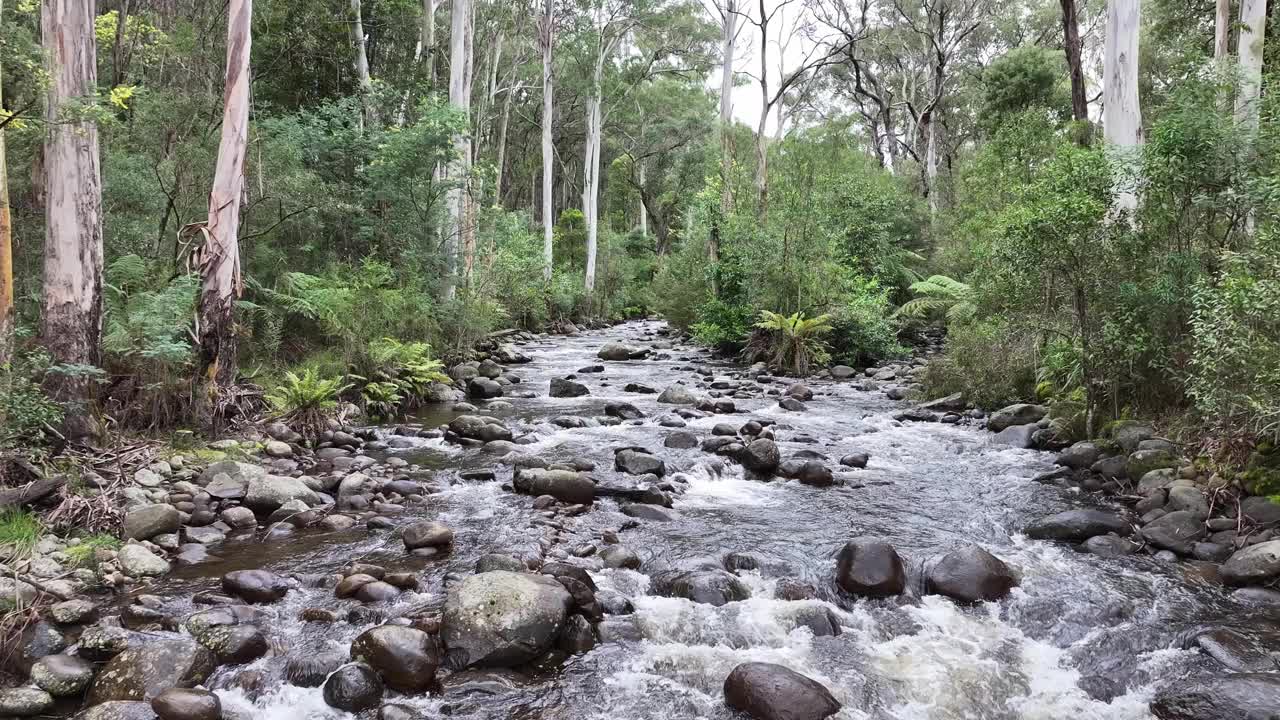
(1240, 696)
(710, 586)
(764, 691)
(1078, 526)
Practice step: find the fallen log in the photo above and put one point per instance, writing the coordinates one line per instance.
(34, 491)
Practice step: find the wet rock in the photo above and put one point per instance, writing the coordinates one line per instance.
(1236, 651)
(267, 493)
(681, 441)
(73, 612)
(799, 391)
(148, 521)
(1018, 414)
(971, 574)
(1078, 525)
(495, 561)
(618, 556)
(24, 701)
(500, 618)
(1175, 531)
(870, 568)
(1257, 597)
(145, 671)
(351, 584)
(677, 395)
(710, 586)
(1079, 456)
(1144, 461)
(483, 388)
(239, 518)
(624, 411)
(1018, 436)
(760, 456)
(1109, 546)
(764, 691)
(635, 462)
(1242, 696)
(642, 511)
(406, 658)
(255, 586)
(310, 670)
(577, 636)
(565, 388)
(138, 561)
(427, 533)
(618, 352)
(855, 460)
(102, 642)
(508, 354)
(396, 711)
(792, 404)
(62, 675)
(119, 710)
(808, 472)
(1254, 565)
(187, 704)
(479, 427)
(567, 486)
(354, 687)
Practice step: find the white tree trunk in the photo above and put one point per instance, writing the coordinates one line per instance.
(1122, 116)
(1253, 27)
(591, 175)
(362, 65)
(72, 317)
(729, 28)
(426, 34)
(548, 107)
(459, 233)
(220, 259)
(1221, 29)
(931, 166)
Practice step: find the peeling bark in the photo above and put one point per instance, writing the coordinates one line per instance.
(6, 245)
(460, 231)
(1122, 116)
(547, 37)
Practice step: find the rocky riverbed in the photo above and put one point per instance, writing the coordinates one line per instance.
(615, 525)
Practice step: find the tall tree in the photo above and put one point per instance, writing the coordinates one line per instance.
(6, 238)
(1121, 113)
(728, 10)
(1075, 65)
(460, 232)
(425, 46)
(546, 39)
(361, 63)
(220, 260)
(1221, 29)
(71, 323)
(1253, 29)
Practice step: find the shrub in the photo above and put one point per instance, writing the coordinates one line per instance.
(391, 373)
(790, 343)
(989, 361)
(307, 401)
(83, 553)
(862, 331)
(25, 411)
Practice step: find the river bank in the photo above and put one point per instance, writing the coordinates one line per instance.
(640, 482)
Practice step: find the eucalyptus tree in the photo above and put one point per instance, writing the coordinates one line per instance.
(1122, 114)
(546, 42)
(459, 233)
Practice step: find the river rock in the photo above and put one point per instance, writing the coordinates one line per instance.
(971, 574)
(1254, 565)
(1079, 456)
(239, 518)
(503, 619)
(566, 486)
(187, 704)
(681, 441)
(1018, 436)
(255, 586)
(1175, 531)
(145, 671)
(1109, 546)
(635, 462)
(643, 511)
(119, 710)
(138, 561)
(870, 568)
(1018, 414)
(406, 658)
(623, 411)
(1261, 511)
(24, 701)
(507, 354)
(855, 460)
(565, 388)
(479, 427)
(267, 493)
(1129, 434)
(619, 556)
(484, 388)
(1238, 696)
(764, 691)
(1142, 462)
(760, 456)
(677, 395)
(1190, 499)
(148, 521)
(62, 675)
(808, 472)
(618, 351)
(1077, 526)
(354, 687)
(427, 533)
(711, 586)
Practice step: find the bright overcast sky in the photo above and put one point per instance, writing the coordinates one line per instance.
(784, 45)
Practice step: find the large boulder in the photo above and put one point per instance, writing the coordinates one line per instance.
(623, 411)
(148, 521)
(255, 586)
(636, 462)
(62, 675)
(678, 395)
(1078, 525)
(479, 427)
(484, 388)
(119, 710)
(1254, 565)
(1142, 462)
(239, 472)
(971, 574)
(1018, 436)
(1079, 456)
(760, 456)
(1019, 414)
(406, 658)
(267, 493)
(615, 351)
(507, 354)
(1238, 696)
(138, 561)
(870, 568)
(427, 533)
(711, 586)
(1176, 531)
(565, 388)
(187, 704)
(566, 486)
(503, 619)
(24, 702)
(764, 691)
(144, 671)
(808, 472)
(229, 632)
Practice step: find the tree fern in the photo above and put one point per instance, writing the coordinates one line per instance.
(790, 343)
(939, 296)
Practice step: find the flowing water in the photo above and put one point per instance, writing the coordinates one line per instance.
(1082, 638)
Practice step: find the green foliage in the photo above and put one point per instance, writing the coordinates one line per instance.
(1029, 77)
(307, 401)
(989, 361)
(790, 343)
(25, 410)
(83, 553)
(390, 374)
(863, 331)
(939, 296)
(19, 532)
